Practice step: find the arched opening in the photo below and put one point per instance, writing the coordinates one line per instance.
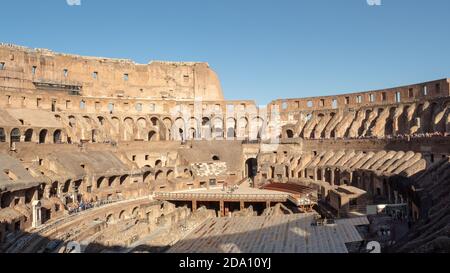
(187, 173)
(333, 133)
(28, 135)
(53, 189)
(128, 128)
(192, 133)
(115, 124)
(147, 176)
(289, 133)
(364, 125)
(72, 121)
(158, 175)
(123, 179)
(158, 163)
(218, 128)
(122, 215)
(231, 128)
(66, 186)
(389, 127)
(205, 121)
(135, 212)
(256, 125)
(181, 132)
(15, 135)
(142, 123)
(109, 219)
(231, 132)
(206, 128)
(179, 128)
(151, 136)
(403, 125)
(100, 181)
(251, 167)
(168, 124)
(215, 158)
(57, 136)
(101, 120)
(42, 136)
(154, 121)
(170, 174)
(242, 127)
(111, 181)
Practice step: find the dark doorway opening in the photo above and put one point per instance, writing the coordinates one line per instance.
(251, 167)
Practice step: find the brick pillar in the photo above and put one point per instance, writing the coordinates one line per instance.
(36, 210)
(221, 205)
(332, 177)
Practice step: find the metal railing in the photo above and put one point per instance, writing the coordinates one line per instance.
(70, 216)
(93, 205)
(220, 196)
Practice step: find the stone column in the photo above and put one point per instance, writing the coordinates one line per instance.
(36, 210)
(332, 177)
(194, 205)
(221, 211)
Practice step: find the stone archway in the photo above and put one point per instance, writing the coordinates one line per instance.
(251, 167)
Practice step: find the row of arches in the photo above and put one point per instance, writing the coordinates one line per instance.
(213, 128)
(123, 214)
(41, 136)
(113, 128)
(112, 181)
(166, 173)
(423, 117)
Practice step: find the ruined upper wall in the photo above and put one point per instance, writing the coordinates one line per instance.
(403, 94)
(25, 69)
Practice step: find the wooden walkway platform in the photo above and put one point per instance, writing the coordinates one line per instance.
(270, 234)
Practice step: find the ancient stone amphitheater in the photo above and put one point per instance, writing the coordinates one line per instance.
(107, 155)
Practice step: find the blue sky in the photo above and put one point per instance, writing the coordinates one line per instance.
(261, 49)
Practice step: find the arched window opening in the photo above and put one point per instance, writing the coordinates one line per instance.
(42, 136)
(28, 135)
(57, 136)
(15, 135)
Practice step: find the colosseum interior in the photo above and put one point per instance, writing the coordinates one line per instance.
(107, 155)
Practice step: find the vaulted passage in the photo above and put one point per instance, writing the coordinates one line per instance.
(251, 167)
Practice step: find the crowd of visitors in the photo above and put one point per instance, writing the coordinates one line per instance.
(82, 206)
